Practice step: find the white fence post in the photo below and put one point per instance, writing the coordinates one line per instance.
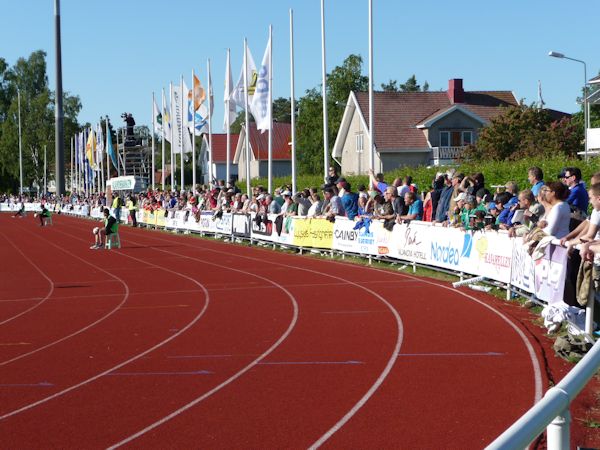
(558, 432)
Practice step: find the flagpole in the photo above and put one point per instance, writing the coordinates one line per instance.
(20, 146)
(153, 139)
(108, 136)
(227, 111)
(270, 100)
(292, 101)
(181, 131)
(324, 77)
(45, 171)
(371, 97)
(193, 132)
(118, 155)
(210, 153)
(164, 125)
(247, 139)
(76, 157)
(71, 177)
(171, 117)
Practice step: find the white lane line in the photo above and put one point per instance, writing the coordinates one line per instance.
(81, 330)
(234, 377)
(533, 357)
(132, 374)
(370, 392)
(48, 295)
(124, 363)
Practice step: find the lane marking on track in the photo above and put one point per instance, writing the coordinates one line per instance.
(64, 338)
(353, 312)
(41, 384)
(155, 307)
(379, 381)
(44, 299)
(10, 344)
(14, 300)
(454, 354)
(230, 380)
(533, 357)
(310, 363)
(131, 374)
(124, 363)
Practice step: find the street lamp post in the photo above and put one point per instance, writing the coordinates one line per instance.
(585, 95)
(20, 146)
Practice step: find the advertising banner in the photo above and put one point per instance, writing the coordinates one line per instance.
(522, 268)
(317, 233)
(241, 225)
(550, 273)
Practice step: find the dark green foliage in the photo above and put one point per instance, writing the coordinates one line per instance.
(525, 132)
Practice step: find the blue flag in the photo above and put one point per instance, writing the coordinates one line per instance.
(109, 148)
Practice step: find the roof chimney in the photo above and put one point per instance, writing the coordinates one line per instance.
(456, 94)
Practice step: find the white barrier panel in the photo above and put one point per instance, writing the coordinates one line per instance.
(522, 270)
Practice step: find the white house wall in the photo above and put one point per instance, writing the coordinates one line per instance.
(353, 161)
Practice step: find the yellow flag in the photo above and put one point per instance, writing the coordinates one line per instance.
(90, 149)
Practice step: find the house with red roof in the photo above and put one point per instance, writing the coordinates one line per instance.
(414, 128)
(219, 156)
(259, 151)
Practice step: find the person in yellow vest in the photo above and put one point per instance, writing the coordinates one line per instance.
(116, 205)
(110, 226)
(131, 206)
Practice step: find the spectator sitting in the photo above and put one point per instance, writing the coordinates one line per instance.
(532, 211)
(100, 234)
(272, 207)
(502, 202)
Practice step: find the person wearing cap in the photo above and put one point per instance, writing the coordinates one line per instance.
(535, 176)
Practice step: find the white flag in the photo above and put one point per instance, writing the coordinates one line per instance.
(166, 118)
(99, 145)
(157, 118)
(261, 106)
(181, 137)
(229, 111)
(238, 92)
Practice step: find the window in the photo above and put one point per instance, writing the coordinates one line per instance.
(467, 137)
(444, 139)
(359, 142)
(455, 138)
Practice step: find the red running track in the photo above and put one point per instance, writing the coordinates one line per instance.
(178, 342)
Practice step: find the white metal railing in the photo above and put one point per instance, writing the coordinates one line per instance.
(552, 412)
(447, 152)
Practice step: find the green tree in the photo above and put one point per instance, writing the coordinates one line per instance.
(523, 132)
(340, 82)
(391, 86)
(28, 76)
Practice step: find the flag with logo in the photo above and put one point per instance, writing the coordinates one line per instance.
(157, 118)
(261, 106)
(180, 136)
(238, 91)
(199, 107)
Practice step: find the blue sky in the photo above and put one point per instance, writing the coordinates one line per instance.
(116, 53)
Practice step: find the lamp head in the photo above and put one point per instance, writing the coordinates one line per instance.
(556, 55)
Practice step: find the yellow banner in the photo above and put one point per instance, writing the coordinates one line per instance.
(316, 233)
(159, 215)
